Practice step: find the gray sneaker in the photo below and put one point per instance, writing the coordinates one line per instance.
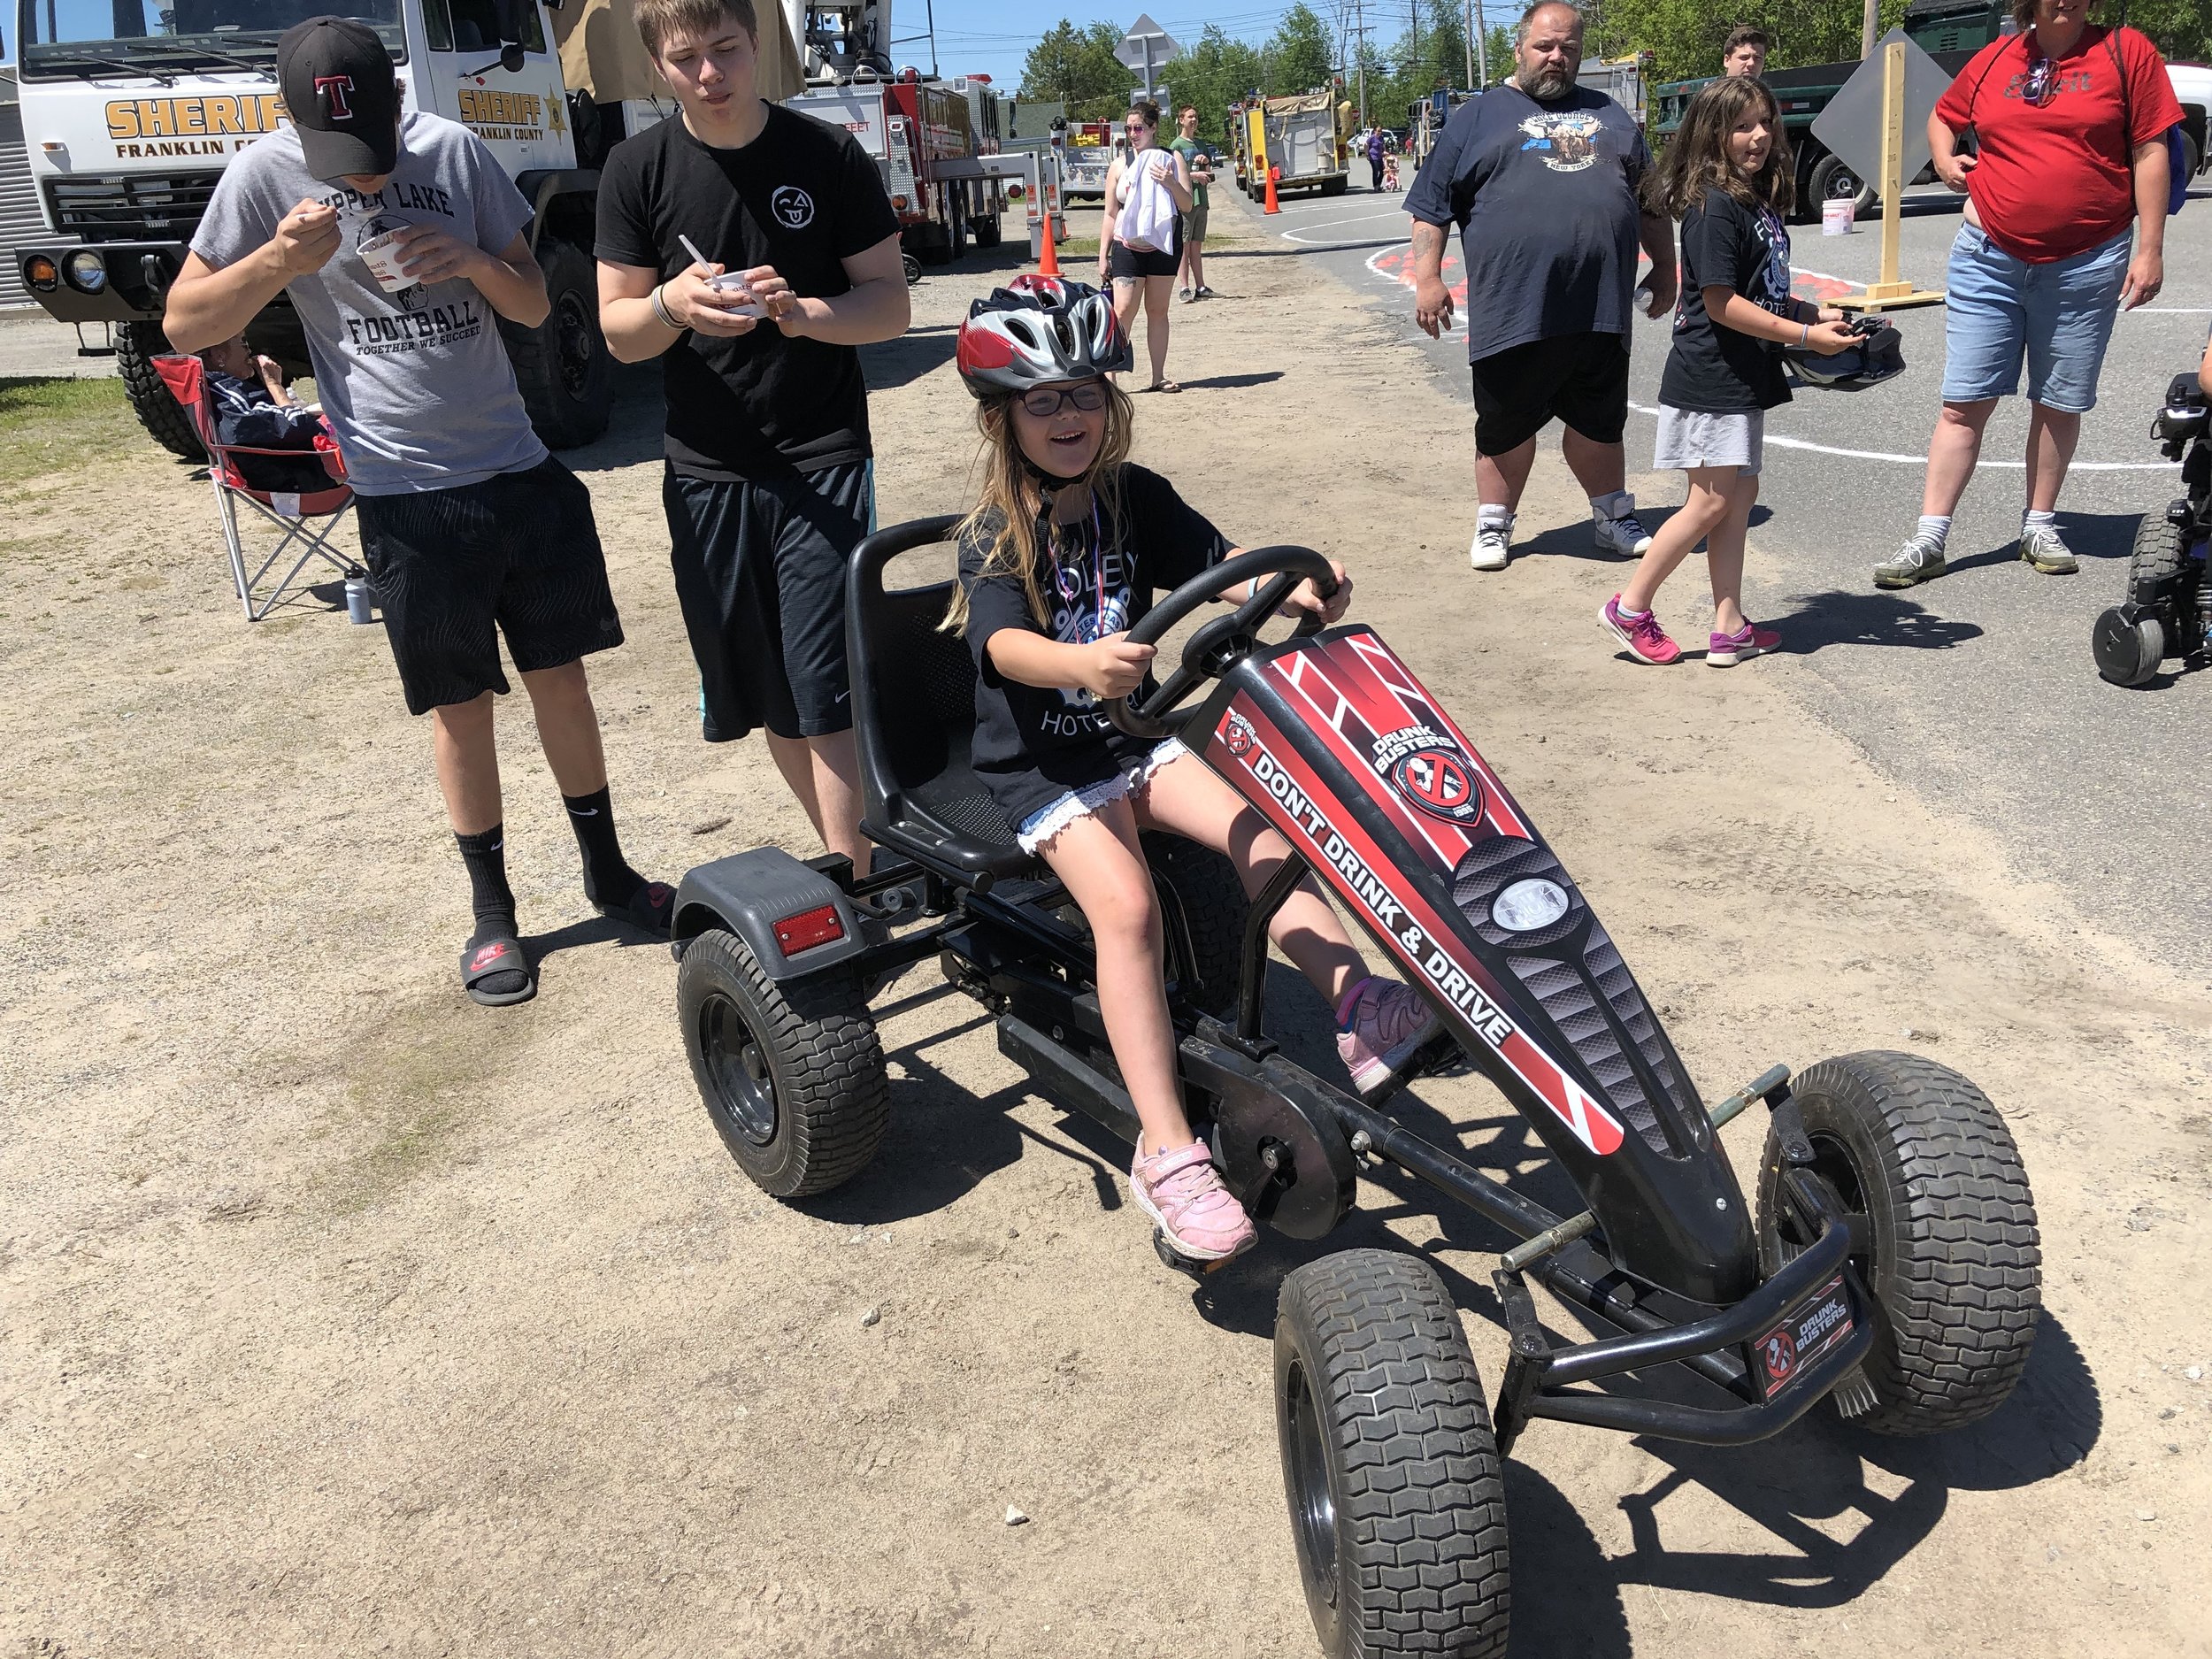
(1919, 560)
(2042, 548)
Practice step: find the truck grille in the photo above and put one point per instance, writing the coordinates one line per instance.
(130, 207)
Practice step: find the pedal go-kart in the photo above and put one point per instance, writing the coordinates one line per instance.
(2169, 607)
(1891, 1262)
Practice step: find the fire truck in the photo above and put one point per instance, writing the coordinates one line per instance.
(919, 131)
(1090, 154)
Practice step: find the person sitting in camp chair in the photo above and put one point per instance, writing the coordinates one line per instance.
(253, 408)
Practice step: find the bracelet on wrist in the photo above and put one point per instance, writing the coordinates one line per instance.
(1804, 333)
(660, 309)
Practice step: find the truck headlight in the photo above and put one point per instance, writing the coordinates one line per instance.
(40, 273)
(85, 270)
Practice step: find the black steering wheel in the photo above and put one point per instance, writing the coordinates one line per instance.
(1224, 641)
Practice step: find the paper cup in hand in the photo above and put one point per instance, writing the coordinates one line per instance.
(381, 255)
(732, 282)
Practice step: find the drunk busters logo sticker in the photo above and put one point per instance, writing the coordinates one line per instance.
(1438, 781)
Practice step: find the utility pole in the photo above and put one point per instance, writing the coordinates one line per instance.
(1869, 29)
(1413, 17)
(1468, 28)
(1482, 48)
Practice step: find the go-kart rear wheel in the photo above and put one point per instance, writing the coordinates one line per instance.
(1203, 901)
(1944, 1234)
(796, 1084)
(1397, 1503)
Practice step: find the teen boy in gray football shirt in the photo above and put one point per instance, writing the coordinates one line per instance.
(469, 528)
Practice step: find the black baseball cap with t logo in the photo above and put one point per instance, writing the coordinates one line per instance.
(341, 95)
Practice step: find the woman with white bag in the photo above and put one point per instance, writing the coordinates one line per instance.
(1140, 238)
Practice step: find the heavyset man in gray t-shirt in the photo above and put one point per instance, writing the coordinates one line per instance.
(402, 244)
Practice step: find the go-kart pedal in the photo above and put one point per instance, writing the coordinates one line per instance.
(1171, 1257)
(1440, 1056)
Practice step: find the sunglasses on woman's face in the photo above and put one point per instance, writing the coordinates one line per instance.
(1048, 401)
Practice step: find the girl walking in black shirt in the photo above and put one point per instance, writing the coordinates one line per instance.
(1058, 560)
(1726, 176)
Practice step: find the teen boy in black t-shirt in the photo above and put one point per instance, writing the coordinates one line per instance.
(769, 485)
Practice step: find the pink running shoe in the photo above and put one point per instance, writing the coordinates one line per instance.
(1186, 1201)
(1380, 1025)
(1725, 650)
(1646, 640)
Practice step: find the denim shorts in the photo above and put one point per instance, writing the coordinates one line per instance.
(2059, 316)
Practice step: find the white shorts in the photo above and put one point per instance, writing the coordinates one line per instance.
(1037, 830)
(1688, 439)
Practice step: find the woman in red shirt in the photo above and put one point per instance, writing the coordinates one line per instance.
(2069, 121)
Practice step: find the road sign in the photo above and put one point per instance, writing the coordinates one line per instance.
(1146, 47)
(1851, 125)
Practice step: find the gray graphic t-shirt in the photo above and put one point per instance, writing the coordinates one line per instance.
(416, 382)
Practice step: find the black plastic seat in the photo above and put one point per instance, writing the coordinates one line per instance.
(914, 717)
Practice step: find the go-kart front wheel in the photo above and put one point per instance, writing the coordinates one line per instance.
(796, 1084)
(1944, 1235)
(1397, 1503)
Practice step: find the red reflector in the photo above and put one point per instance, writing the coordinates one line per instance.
(808, 929)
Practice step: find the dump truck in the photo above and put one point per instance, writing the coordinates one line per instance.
(1307, 136)
(131, 111)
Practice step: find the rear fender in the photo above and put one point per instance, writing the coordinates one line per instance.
(1341, 749)
(748, 893)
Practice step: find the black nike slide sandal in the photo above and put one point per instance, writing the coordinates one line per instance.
(652, 908)
(490, 958)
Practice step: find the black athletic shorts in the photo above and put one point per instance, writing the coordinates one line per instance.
(517, 555)
(1131, 263)
(760, 574)
(1582, 378)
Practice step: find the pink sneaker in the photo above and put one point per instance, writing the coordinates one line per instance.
(1646, 640)
(1186, 1201)
(1380, 1025)
(1725, 650)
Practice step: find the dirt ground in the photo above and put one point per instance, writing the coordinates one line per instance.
(341, 1316)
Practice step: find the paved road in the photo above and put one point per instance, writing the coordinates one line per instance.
(33, 346)
(1978, 691)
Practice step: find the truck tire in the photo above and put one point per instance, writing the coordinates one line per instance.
(136, 346)
(1336, 185)
(956, 222)
(1831, 177)
(1931, 1181)
(1397, 1501)
(2192, 154)
(987, 232)
(794, 1084)
(562, 366)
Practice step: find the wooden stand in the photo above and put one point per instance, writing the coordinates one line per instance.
(1892, 292)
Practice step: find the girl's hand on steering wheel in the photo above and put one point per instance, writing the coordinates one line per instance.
(1305, 597)
(1112, 667)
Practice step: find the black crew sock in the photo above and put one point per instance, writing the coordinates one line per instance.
(485, 855)
(608, 878)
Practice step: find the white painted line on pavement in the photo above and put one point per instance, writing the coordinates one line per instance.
(1299, 235)
(1779, 442)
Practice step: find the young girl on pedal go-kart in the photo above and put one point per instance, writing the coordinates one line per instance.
(1726, 176)
(1059, 559)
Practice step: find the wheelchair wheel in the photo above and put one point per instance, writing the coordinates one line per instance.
(795, 1084)
(1946, 1239)
(1397, 1501)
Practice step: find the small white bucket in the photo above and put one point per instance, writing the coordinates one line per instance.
(1836, 216)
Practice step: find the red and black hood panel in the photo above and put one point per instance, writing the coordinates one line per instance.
(1344, 750)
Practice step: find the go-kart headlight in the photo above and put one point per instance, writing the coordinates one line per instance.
(1528, 905)
(85, 271)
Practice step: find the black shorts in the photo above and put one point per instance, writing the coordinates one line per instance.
(1582, 378)
(520, 551)
(760, 574)
(1132, 263)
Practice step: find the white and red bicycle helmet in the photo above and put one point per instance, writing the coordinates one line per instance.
(1037, 330)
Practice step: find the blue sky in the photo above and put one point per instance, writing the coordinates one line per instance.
(992, 36)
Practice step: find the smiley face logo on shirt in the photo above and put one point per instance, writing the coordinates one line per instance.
(792, 207)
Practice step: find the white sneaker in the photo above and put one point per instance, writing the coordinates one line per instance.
(1624, 535)
(1492, 545)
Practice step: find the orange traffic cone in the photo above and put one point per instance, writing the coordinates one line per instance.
(1049, 265)
(1274, 173)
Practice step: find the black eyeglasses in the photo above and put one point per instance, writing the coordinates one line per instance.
(1046, 401)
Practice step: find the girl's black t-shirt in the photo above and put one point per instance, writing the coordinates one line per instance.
(1714, 369)
(1033, 744)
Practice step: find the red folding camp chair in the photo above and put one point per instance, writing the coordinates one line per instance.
(306, 521)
